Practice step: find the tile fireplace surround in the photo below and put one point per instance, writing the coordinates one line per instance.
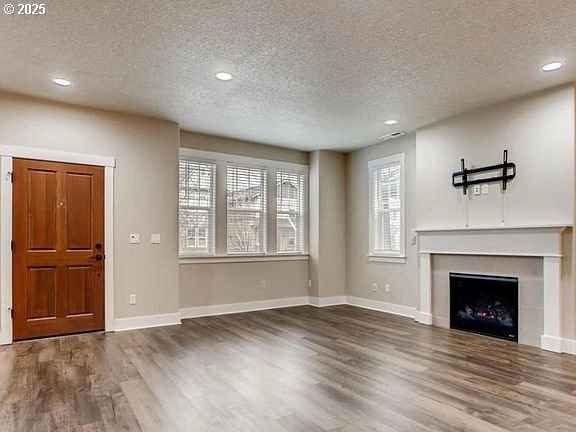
(531, 241)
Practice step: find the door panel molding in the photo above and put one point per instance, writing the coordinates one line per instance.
(41, 286)
(7, 153)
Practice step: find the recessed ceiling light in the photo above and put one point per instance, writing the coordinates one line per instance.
(224, 76)
(391, 122)
(62, 82)
(552, 66)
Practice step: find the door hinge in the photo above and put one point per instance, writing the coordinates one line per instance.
(11, 175)
(11, 313)
(12, 245)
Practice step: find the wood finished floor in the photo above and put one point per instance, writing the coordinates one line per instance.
(338, 369)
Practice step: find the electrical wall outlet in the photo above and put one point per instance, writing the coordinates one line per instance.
(387, 287)
(132, 299)
(135, 238)
(485, 189)
(477, 190)
(374, 287)
(263, 284)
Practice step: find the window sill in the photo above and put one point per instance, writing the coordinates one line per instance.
(387, 259)
(242, 259)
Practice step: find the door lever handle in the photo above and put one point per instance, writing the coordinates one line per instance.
(97, 257)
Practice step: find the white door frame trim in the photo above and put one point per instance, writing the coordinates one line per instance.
(7, 154)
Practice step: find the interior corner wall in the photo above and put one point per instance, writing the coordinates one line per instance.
(145, 187)
(212, 284)
(327, 224)
(360, 273)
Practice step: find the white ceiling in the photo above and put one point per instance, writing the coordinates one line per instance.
(308, 74)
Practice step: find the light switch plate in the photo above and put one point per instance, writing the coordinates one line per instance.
(135, 238)
(485, 189)
(155, 238)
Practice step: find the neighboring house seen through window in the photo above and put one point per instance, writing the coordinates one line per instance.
(290, 215)
(196, 207)
(246, 200)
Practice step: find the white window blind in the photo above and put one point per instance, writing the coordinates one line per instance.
(387, 206)
(196, 207)
(290, 212)
(246, 209)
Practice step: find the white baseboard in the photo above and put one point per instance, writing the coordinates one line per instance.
(424, 318)
(550, 343)
(231, 308)
(558, 345)
(133, 323)
(381, 306)
(326, 301)
(203, 311)
(569, 346)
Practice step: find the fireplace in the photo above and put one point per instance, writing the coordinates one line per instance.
(484, 304)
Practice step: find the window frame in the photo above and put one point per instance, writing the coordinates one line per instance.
(221, 208)
(373, 166)
(212, 215)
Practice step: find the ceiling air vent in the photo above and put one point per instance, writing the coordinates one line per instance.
(390, 136)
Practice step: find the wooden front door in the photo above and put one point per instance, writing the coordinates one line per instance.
(58, 250)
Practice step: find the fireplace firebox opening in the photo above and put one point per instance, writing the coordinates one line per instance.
(484, 304)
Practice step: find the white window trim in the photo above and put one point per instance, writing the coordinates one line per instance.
(399, 257)
(220, 252)
(235, 258)
(387, 259)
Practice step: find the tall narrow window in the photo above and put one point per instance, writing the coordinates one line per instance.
(290, 216)
(196, 207)
(387, 206)
(246, 206)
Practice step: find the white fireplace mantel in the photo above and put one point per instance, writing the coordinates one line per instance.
(535, 241)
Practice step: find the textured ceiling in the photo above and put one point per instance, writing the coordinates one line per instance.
(308, 74)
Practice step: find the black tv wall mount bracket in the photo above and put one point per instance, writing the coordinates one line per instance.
(465, 177)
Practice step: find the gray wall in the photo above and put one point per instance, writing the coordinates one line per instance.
(538, 131)
(145, 187)
(241, 148)
(362, 274)
(327, 224)
(223, 283)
